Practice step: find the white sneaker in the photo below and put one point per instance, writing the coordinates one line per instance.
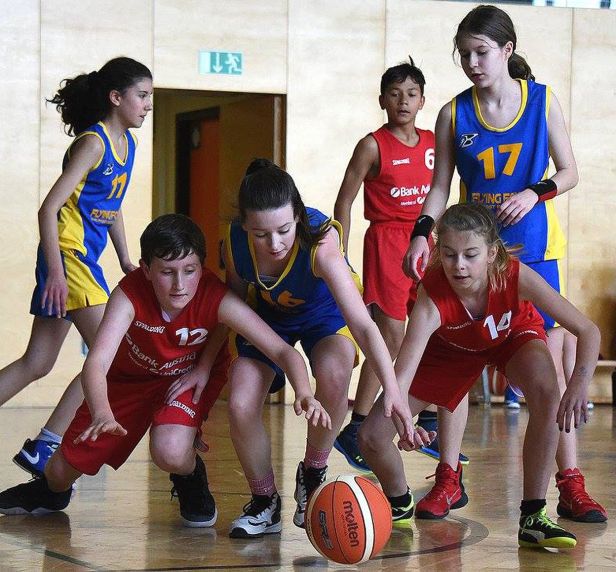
(306, 481)
(261, 516)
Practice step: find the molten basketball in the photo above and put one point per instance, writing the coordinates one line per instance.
(498, 382)
(348, 520)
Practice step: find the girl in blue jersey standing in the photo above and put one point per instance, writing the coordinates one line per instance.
(500, 134)
(290, 259)
(80, 210)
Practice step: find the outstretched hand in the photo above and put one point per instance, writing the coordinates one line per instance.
(573, 409)
(99, 425)
(397, 406)
(194, 378)
(315, 412)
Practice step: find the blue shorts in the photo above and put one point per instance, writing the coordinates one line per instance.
(293, 333)
(84, 277)
(552, 272)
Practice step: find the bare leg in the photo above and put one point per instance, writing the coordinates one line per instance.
(250, 381)
(60, 475)
(451, 428)
(171, 447)
(87, 321)
(332, 362)
(532, 370)
(376, 444)
(566, 454)
(46, 339)
(368, 386)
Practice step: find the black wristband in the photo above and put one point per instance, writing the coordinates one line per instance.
(545, 189)
(423, 226)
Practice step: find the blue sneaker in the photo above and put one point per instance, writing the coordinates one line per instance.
(34, 456)
(432, 450)
(512, 401)
(346, 443)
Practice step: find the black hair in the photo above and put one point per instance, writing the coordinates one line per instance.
(170, 237)
(494, 23)
(266, 187)
(84, 100)
(399, 73)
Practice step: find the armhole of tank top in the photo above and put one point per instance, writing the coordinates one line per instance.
(453, 117)
(548, 101)
(134, 137)
(229, 249)
(378, 146)
(80, 136)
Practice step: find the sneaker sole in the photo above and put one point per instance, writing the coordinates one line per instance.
(243, 533)
(562, 543)
(25, 466)
(426, 515)
(21, 511)
(200, 523)
(464, 460)
(590, 516)
(350, 460)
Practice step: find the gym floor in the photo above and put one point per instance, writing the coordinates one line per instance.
(126, 520)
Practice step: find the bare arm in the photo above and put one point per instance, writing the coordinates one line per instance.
(416, 257)
(118, 316)
(362, 164)
(118, 238)
(331, 266)
(84, 155)
(236, 314)
(573, 403)
(423, 322)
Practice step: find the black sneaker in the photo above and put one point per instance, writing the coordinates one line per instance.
(33, 497)
(197, 506)
(306, 481)
(539, 531)
(403, 512)
(346, 443)
(260, 516)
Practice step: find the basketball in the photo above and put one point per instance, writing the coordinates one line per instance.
(348, 520)
(497, 381)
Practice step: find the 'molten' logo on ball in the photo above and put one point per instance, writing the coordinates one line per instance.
(324, 534)
(351, 523)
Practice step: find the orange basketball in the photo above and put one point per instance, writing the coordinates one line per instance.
(498, 382)
(348, 520)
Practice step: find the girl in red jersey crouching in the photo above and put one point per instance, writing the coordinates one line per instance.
(475, 306)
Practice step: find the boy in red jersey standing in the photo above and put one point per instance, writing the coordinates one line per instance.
(157, 341)
(395, 166)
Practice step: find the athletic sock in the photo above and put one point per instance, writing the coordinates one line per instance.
(357, 418)
(315, 458)
(528, 507)
(49, 436)
(265, 486)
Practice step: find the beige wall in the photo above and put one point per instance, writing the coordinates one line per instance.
(327, 57)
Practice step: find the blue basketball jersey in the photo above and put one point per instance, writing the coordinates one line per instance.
(298, 296)
(84, 220)
(495, 163)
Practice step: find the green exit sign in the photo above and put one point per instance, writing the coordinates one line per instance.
(221, 63)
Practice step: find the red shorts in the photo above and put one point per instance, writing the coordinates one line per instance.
(446, 374)
(137, 406)
(385, 284)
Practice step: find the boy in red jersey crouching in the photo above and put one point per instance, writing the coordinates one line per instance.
(159, 338)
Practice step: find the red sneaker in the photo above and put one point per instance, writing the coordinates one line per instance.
(447, 492)
(574, 502)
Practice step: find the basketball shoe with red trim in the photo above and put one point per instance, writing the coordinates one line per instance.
(574, 502)
(447, 493)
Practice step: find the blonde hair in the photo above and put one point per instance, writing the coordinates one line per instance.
(476, 218)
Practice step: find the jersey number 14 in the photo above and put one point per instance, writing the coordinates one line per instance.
(494, 328)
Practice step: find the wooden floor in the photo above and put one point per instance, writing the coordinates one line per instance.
(126, 520)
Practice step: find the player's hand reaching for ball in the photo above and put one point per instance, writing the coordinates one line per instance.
(101, 424)
(315, 412)
(417, 439)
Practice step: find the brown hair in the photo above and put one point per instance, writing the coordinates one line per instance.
(478, 219)
(495, 24)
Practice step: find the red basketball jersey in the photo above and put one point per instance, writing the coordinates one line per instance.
(458, 328)
(398, 192)
(153, 347)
